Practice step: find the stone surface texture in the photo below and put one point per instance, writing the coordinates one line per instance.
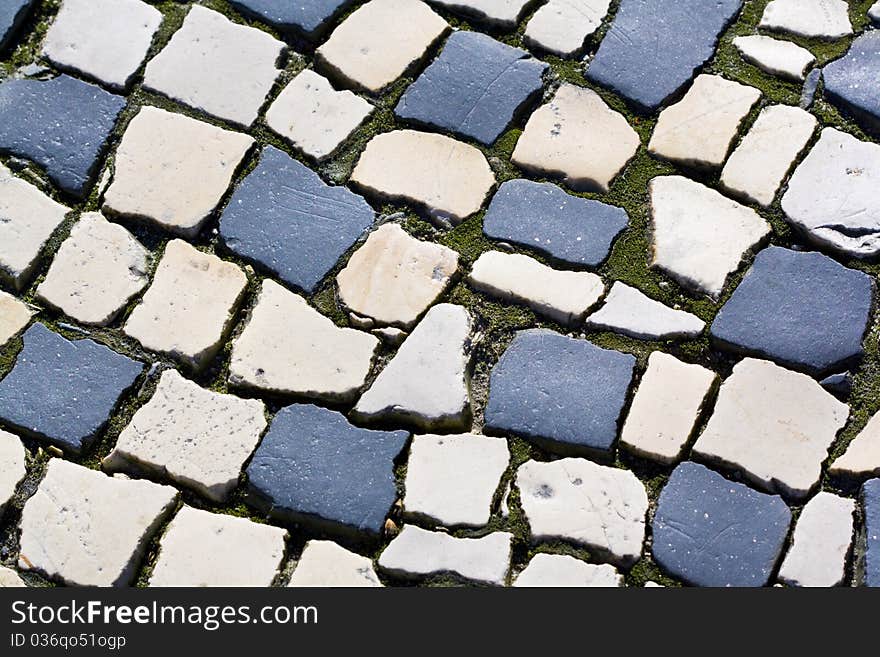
(851, 81)
(325, 564)
(822, 19)
(775, 56)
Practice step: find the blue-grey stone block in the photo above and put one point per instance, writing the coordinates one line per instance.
(309, 17)
(12, 15)
(853, 81)
(871, 502)
(808, 93)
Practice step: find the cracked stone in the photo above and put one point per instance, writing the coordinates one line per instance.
(561, 26)
(774, 56)
(502, 13)
(862, 455)
(871, 504)
(309, 18)
(12, 15)
(10, 579)
(12, 467)
(325, 564)
(851, 82)
(629, 311)
(15, 315)
(821, 19)
(561, 570)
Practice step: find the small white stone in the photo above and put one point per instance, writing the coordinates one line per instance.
(426, 383)
(564, 296)
(161, 177)
(189, 308)
(577, 500)
(417, 552)
(211, 549)
(874, 12)
(562, 26)
(391, 335)
(822, 537)
(288, 347)
(700, 236)
(774, 425)
(826, 19)
(324, 564)
(217, 66)
(10, 579)
(578, 138)
(862, 455)
(699, 129)
(777, 57)
(627, 310)
(12, 466)
(653, 585)
(14, 316)
(560, 570)
(87, 529)
(759, 165)
(504, 13)
(315, 117)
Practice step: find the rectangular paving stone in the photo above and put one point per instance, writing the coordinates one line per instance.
(14, 316)
(12, 15)
(871, 506)
(309, 18)
(325, 564)
(822, 19)
(562, 26)
(12, 466)
(775, 56)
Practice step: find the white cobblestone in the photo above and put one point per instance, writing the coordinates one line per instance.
(325, 564)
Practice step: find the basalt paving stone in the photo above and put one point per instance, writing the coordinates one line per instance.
(871, 505)
(309, 18)
(475, 88)
(61, 124)
(562, 26)
(853, 81)
(561, 570)
(542, 217)
(289, 221)
(798, 308)
(654, 47)
(314, 467)
(12, 466)
(568, 392)
(502, 13)
(12, 15)
(325, 564)
(15, 315)
(775, 56)
(862, 455)
(823, 19)
(64, 391)
(710, 531)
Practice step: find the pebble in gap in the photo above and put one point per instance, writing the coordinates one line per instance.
(629, 311)
(309, 18)
(578, 138)
(289, 348)
(98, 269)
(475, 88)
(775, 56)
(710, 531)
(799, 308)
(15, 315)
(563, 296)
(448, 178)
(316, 468)
(773, 425)
(574, 499)
(822, 19)
(12, 466)
(840, 384)
(189, 308)
(561, 27)
(106, 40)
(325, 564)
(561, 570)
(862, 455)
(201, 548)
(822, 537)
(758, 166)
(159, 177)
(64, 391)
(665, 409)
(502, 13)
(369, 51)
(10, 579)
(871, 504)
(452, 480)
(61, 124)
(567, 392)
(84, 528)
(654, 47)
(217, 66)
(699, 129)
(287, 220)
(12, 15)
(700, 236)
(416, 552)
(315, 117)
(811, 84)
(426, 383)
(851, 82)
(194, 436)
(542, 217)
(393, 277)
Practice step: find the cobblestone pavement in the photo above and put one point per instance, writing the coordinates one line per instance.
(494, 292)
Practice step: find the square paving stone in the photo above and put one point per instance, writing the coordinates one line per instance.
(871, 503)
(475, 88)
(64, 391)
(12, 15)
(316, 468)
(61, 124)
(289, 221)
(14, 316)
(566, 392)
(308, 18)
(853, 81)
(710, 531)
(798, 308)
(325, 564)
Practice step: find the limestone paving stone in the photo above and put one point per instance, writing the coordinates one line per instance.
(862, 455)
(10, 579)
(562, 26)
(823, 19)
(98, 269)
(12, 15)
(775, 56)
(309, 18)
(578, 138)
(416, 552)
(475, 88)
(12, 467)
(851, 82)
(699, 236)
(567, 392)
(289, 348)
(61, 124)
(544, 218)
(629, 311)
(84, 528)
(314, 467)
(871, 505)
(427, 382)
(201, 548)
(561, 570)
(564, 296)
(710, 531)
(325, 564)
(188, 309)
(15, 315)
(369, 51)
(449, 178)
(503, 13)
(773, 425)
(64, 391)
(453, 479)
(577, 500)
(172, 170)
